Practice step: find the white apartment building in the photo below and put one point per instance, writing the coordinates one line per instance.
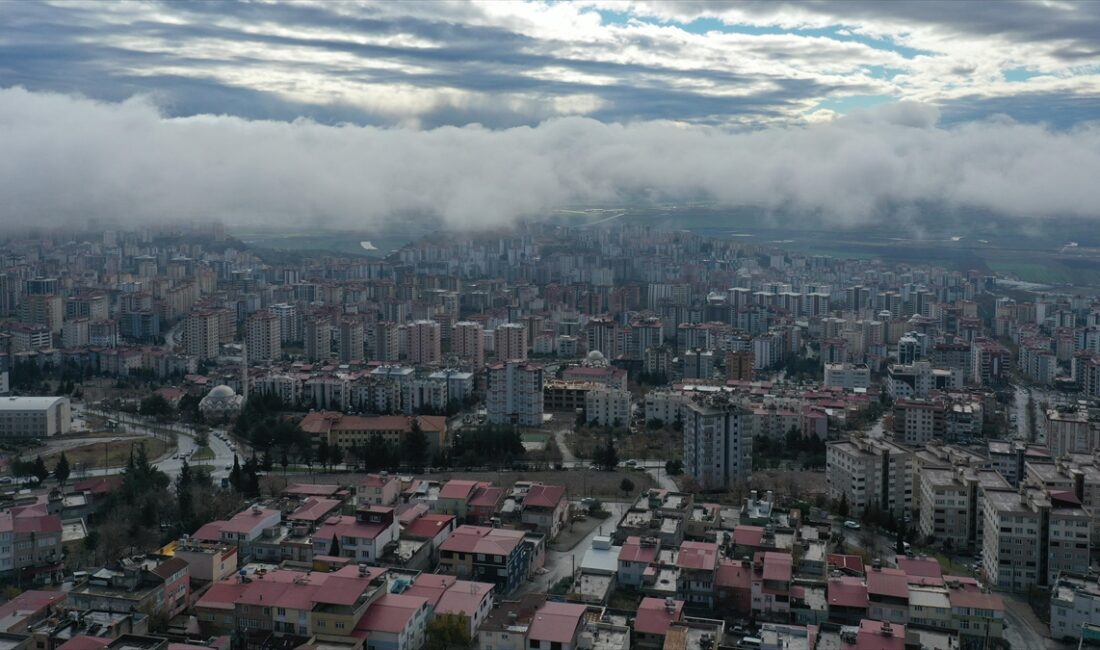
(468, 342)
(848, 376)
(202, 334)
(665, 405)
(915, 380)
(1074, 603)
(717, 442)
(949, 501)
(1030, 536)
(34, 417)
(870, 472)
(424, 342)
(263, 337)
(608, 407)
(351, 340)
(1069, 431)
(290, 322)
(317, 333)
(510, 342)
(514, 393)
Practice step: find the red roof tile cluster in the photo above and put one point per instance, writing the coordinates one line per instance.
(655, 616)
(481, 539)
(556, 622)
(701, 556)
(544, 496)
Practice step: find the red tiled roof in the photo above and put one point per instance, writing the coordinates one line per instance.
(390, 613)
(457, 489)
(975, 599)
(99, 485)
(84, 642)
(888, 582)
(487, 496)
(853, 563)
(748, 535)
(480, 539)
(556, 622)
(654, 616)
(924, 567)
(698, 555)
(877, 635)
(348, 526)
(847, 591)
(463, 597)
(731, 574)
(30, 601)
(247, 520)
(312, 490)
(210, 532)
(633, 551)
(427, 526)
(313, 509)
(777, 567)
(544, 496)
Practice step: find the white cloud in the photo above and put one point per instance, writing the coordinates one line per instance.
(68, 158)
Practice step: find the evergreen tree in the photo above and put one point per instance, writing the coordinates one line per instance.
(323, 452)
(414, 446)
(265, 461)
(184, 498)
(336, 455)
(235, 474)
(40, 472)
(61, 470)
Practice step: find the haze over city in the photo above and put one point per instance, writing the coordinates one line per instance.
(481, 114)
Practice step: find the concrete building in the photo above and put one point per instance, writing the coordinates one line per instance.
(290, 322)
(739, 365)
(468, 343)
(698, 364)
(514, 394)
(263, 337)
(870, 473)
(1032, 535)
(202, 333)
(351, 340)
(318, 339)
(949, 501)
(34, 417)
(1069, 431)
(848, 376)
(424, 342)
(607, 407)
(510, 342)
(1074, 603)
(717, 442)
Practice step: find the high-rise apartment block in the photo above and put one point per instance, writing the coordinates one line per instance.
(514, 393)
(263, 337)
(424, 342)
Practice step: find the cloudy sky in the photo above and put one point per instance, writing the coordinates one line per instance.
(488, 111)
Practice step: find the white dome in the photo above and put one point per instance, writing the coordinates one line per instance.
(221, 391)
(595, 355)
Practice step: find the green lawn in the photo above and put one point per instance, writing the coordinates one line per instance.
(203, 453)
(1030, 271)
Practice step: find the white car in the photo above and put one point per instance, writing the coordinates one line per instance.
(854, 525)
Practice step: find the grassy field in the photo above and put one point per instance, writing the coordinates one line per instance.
(639, 446)
(117, 454)
(202, 453)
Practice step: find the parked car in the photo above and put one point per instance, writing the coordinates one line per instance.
(854, 525)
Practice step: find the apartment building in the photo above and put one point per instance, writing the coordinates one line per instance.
(202, 333)
(317, 333)
(496, 555)
(514, 393)
(607, 407)
(468, 343)
(362, 537)
(424, 342)
(510, 342)
(263, 337)
(1074, 603)
(918, 421)
(949, 500)
(870, 473)
(1029, 536)
(1069, 431)
(351, 340)
(848, 376)
(717, 442)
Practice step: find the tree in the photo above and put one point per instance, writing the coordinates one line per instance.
(284, 460)
(414, 446)
(184, 497)
(842, 507)
(607, 458)
(448, 631)
(626, 486)
(202, 438)
(61, 470)
(235, 474)
(336, 455)
(40, 472)
(674, 467)
(323, 451)
(155, 405)
(265, 461)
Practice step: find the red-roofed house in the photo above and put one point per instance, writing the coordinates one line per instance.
(875, 635)
(454, 497)
(362, 537)
(635, 557)
(351, 430)
(496, 555)
(771, 585)
(921, 567)
(84, 642)
(653, 619)
(978, 614)
(847, 598)
(33, 544)
(471, 600)
(698, 564)
(888, 593)
(245, 527)
(432, 528)
(735, 586)
(394, 622)
(747, 540)
(313, 511)
(545, 509)
(485, 504)
(847, 564)
(556, 626)
(378, 490)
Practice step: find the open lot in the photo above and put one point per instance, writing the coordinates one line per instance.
(116, 452)
(662, 444)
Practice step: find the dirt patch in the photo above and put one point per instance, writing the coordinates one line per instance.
(660, 444)
(116, 453)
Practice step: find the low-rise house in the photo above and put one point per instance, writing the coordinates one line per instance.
(545, 509)
(636, 555)
(363, 537)
(848, 601)
(485, 505)
(1074, 601)
(149, 586)
(207, 562)
(449, 595)
(28, 608)
(888, 594)
(873, 635)
(241, 530)
(495, 555)
(654, 617)
(379, 490)
(454, 497)
(771, 585)
(556, 626)
(698, 564)
(394, 622)
(431, 528)
(734, 581)
(506, 624)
